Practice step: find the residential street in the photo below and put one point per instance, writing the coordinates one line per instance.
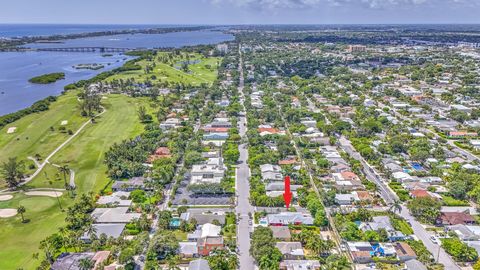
(371, 174)
(424, 236)
(244, 209)
(389, 196)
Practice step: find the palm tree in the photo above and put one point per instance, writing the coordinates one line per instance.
(91, 232)
(85, 264)
(336, 262)
(21, 210)
(314, 244)
(396, 206)
(64, 170)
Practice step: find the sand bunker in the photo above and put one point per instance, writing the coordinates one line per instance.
(6, 213)
(64, 123)
(5, 198)
(11, 130)
(52, 194)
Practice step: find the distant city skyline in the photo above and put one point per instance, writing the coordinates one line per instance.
(241, 11)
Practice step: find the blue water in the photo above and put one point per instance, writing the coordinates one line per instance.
(17, 67)
(174, 39)
(22, 30)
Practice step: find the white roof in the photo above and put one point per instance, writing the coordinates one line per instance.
(401, 175)
(114, 215)
(270, 168)
(210, 230)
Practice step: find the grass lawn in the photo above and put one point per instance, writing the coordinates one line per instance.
(201, 70)
(181, 236)
(21, 240)
(450, 201)
(85, 155)
(33, 134)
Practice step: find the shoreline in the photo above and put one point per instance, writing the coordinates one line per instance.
(14, 43)
(100, 71)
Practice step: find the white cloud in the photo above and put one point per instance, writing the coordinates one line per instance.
(298, 4)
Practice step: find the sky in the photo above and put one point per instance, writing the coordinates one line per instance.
(240, 11)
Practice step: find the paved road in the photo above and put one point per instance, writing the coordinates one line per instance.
(46, 160)
(389, 196)
(422, 234)
(242, 188)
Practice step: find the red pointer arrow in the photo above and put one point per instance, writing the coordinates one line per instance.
(287, 195)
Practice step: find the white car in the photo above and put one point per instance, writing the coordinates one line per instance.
(435, 240)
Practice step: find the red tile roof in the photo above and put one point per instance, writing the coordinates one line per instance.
(404, 249)
(161, 152)
(216, 129)
(348, 175)
(419, 193)
(290, 161)
(269, 130)
(462, 133)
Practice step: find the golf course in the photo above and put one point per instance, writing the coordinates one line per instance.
(72, 141)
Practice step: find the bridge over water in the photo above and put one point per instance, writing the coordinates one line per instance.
(73, 49)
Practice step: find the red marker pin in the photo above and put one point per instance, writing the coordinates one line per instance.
(287, 195)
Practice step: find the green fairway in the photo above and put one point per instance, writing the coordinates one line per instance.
(85, 155)
(21, 240)
(34, 134)
(200, 70)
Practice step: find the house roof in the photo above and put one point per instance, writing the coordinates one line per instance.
(270, 168)
(216, 240)
(454, 218)
(110, 230)
(288, 161)
(361, 254)
(348, 175)
(300, 264)
(203, 218)
(114, 215)
(137, 182)
(289, 218)
(404, 249)
(363, 195)
(162, 151)
(281, 232)
(216, 129)
(377, 223)
(210, 230)
(292, 248)
(100, 257)
(70, 261)
(188, 248)
(268, 130)
(420, 193)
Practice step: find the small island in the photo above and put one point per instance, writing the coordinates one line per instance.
(89, 66)
(48, 78)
